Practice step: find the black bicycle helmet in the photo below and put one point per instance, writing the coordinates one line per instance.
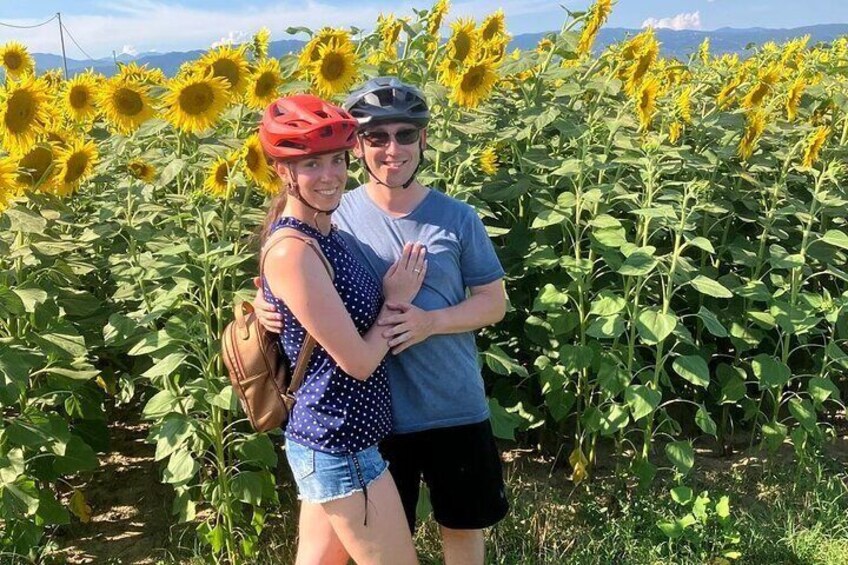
(386, 99)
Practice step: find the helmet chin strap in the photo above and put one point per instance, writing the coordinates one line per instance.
(377, 179)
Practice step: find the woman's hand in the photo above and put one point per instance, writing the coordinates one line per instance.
(266, 313)
(403, 279)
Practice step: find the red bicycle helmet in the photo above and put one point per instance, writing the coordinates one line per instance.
(303, 125)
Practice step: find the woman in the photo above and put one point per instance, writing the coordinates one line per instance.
(350, 505)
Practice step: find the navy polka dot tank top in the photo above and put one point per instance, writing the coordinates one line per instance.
(335, 412)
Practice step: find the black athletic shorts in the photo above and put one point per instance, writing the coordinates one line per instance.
(462, 469)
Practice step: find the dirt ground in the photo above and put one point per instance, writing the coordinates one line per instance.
(131, 510)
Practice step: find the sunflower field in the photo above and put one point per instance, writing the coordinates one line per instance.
(674, 236)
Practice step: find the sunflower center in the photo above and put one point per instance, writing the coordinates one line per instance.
(128, 102)
(489, 31)
(473, 79)
(227, 69)
(333, 66)
(265, 84)
(79, 97)
(20, 112)
(251, 158)
(462, 46)
(13, 60)
(75, 168)
(221, 174)
(35, 165)
(196, 98)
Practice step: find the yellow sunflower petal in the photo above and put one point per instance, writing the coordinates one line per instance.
(74, 164)
(125, 104)
(229, 63)
(23, 114)
(264, 84)
(194, 103)
(257, 168)
(335, 70)
(474, 84)
(16, 60)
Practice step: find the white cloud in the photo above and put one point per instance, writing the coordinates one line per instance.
(232, 38)
(129, 50)
(149, 25)
(680, 21)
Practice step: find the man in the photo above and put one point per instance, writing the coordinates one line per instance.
(441, 423)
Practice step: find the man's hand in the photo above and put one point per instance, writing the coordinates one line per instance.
(266, 313)
(409, 325)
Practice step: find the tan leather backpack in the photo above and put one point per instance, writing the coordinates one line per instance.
(258, 373)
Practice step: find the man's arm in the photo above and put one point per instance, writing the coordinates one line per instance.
(486, 305)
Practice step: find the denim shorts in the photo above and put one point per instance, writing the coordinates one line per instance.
(322, 477)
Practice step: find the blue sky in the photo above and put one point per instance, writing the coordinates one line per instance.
(100, 26)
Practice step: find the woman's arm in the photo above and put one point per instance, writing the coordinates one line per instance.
(296, 274)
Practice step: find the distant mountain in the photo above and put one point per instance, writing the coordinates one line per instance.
(678, 44)
(683, 43)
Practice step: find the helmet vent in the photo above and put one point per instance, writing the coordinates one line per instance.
(322, 114)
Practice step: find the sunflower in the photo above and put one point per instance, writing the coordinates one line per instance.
(754, 129)
(229, 63)
(195, 102)
(263, 84)
(646, 100)
(389, 29)
(9, 188)
(142, 170)
(256, 166)
(16, 59)
(725, 96)
(259, 43)
(336, 68)
(36, 168)
(814, 144)
(78, 97)
(125, 104)
(310, 54)
(493, 27)
(684, 104)
(53, 78)
(464, 41)
(134, 72)
(489, 161)
(642, 63)
(793, 97)
(674, 131)
(23, 114)
(436, 17)
(474, 84)
(74, 164)
(544, 46)
(765, 81)
(596, 18)
(218, 182)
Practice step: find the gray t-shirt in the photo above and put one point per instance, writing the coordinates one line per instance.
(435, 383)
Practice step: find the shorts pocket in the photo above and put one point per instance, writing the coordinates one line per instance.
(301, 460)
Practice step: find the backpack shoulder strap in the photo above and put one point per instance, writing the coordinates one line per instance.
(309, 341)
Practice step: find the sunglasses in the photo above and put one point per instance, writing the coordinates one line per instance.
(406, 136)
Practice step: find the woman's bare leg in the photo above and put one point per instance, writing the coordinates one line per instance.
(386, 538)
(318, 543)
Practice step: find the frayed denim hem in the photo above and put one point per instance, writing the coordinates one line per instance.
(345, 495)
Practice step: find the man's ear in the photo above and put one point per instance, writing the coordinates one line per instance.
(357, 149)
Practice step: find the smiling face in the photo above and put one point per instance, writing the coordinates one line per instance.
(389, 159)
(321, 179)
